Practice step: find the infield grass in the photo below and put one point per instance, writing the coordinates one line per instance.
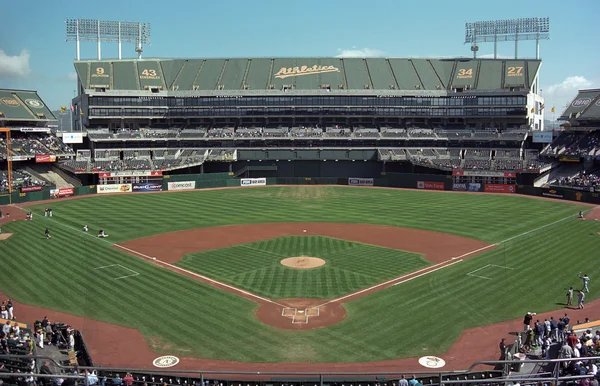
(257, 267)
(196, 319)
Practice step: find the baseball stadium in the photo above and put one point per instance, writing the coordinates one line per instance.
(299, 221)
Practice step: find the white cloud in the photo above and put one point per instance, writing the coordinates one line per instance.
(359, 53)
(16, 66)
(69, 78)
(560, 94)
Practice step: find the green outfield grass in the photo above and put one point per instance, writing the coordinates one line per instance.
(256, 267)
(542, 241)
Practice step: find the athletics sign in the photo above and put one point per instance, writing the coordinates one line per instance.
(304, 70)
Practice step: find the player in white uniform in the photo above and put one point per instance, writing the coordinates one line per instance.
(586, 280)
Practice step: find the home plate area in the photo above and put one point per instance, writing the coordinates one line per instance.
(300, 316)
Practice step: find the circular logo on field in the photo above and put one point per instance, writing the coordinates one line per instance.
(10, 102)
(432, 362)
(581, 102)
(166, 361)
(34, 103)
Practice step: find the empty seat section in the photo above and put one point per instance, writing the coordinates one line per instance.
(209, 74)
(124, 76)
(356, 73)
(258, 74)
(234, 73)
(381, 76)
(490, 75)
(428, 77)
(405, 74)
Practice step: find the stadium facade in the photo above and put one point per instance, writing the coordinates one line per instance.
(286, 117)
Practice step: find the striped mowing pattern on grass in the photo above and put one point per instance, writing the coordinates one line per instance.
(424, 315)
(349, 266)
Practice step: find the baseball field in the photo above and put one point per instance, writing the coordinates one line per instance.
(396, 274)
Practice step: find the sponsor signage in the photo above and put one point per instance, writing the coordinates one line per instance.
(554, 193)
(62, 192)
(542, 137)
(360, 181)
(460, 187)
(34, 129)
(304, 70)
(18, 158)
(45, 158)
(253, 181)
(583, 188)
(130, 173)
(475, 187)
(72, 137)
(430, 185)
(113, 188)
(181, 185)
(147, 187)
(569, 158)
(27, 189)
(499, 188)
(483, 173)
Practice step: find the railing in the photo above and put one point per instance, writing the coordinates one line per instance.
(376, 378)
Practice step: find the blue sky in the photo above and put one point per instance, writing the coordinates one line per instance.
(34, 54)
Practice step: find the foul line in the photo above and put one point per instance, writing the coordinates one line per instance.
(438, 266)
(215, 282)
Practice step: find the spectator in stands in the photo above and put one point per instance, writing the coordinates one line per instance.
(92, 377)
(6, 328)
(117, 380)
(414, 382)
(128, 380)
(404, 382)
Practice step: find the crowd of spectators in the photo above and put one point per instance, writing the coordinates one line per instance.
(19, 178)
(303, 131)
(574, 143)
(581, 179)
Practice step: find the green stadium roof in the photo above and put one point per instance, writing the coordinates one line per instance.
(584, 107)
(23, 106)
(335, 74)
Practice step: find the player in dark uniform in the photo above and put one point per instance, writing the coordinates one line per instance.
(47, 233)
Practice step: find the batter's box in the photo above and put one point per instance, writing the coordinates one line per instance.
(314, 311)
(300, 318)
(289, 312)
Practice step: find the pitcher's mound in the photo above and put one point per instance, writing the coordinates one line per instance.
(4, 236)
(303, 262)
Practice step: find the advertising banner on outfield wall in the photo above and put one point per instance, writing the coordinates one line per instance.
(147, 187)
(45, 158)
(28, 189)
(483, 173)
(253, 181)
(113, 188)
(554, 193)
(181, 185)
(499, 188)
(62, 192)
(430, 185)
(459, 187)
(475, 187)
(360, 181)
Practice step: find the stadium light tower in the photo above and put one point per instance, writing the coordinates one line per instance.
(86, 30)
(531, 28)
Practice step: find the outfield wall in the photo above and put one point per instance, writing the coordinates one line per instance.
(434, 182)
